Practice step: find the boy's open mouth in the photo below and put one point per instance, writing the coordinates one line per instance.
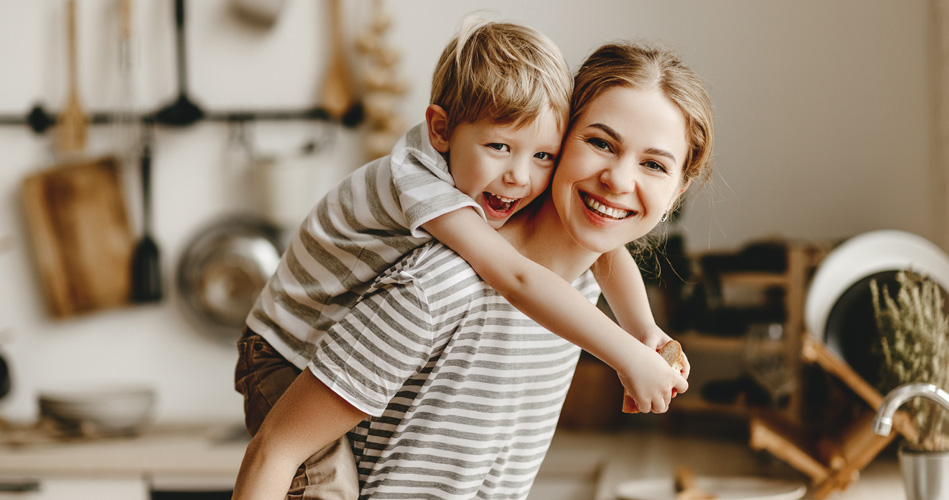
(499, 203)
(605, 211)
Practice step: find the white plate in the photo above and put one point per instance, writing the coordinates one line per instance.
(727, 488)
(865, 255)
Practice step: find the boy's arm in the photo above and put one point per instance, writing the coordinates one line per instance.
(305, 419)
(553, 303)
(625, 291)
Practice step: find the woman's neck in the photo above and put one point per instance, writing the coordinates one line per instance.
(541, 236)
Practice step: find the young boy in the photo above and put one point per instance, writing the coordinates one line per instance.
(499, 107)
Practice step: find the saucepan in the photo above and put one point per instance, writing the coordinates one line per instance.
(839, 306)
(222, 270)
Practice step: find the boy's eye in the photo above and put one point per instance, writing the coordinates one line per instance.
(544, 156)
(599, 143)
(499, 147)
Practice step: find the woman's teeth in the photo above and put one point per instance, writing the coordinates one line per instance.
(613, 213)
(499, 203)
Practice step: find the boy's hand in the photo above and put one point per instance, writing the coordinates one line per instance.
(650, 381)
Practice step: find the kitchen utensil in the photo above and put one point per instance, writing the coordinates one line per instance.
(78, 222)
(769, 360)
(838, 308)
(182, 111)
(263, 13)
(72, 123)
(5, 379)
(339, 91)
(126, 121)
(99, 410)
(146, 260)
(223, 269)
(925, 474)
(725, 488)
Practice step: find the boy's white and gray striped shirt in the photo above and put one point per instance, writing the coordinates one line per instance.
(360, 228)
(464, 391)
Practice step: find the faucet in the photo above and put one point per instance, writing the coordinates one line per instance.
(883, 421)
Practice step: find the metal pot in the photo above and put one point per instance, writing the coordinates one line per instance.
(223, 269)
(925, 474)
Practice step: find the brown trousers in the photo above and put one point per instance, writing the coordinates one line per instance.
(262, 375)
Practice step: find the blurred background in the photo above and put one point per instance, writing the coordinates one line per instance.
(830, 118)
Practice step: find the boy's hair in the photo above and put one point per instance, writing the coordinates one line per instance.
(644, 67)
(503, 71)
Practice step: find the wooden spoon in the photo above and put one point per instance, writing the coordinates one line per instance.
(72, 123)
(339, 91)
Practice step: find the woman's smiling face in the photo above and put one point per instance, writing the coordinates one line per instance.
(620, 167)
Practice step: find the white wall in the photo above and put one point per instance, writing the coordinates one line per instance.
(825, 122)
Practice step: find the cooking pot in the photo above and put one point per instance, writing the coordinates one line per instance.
(839, 307)
(223, 269)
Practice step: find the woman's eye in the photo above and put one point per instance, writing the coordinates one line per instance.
(499, 147)
(653, 165)
(599, 143)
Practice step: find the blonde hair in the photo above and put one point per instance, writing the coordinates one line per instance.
(644, 67)
(502, 71)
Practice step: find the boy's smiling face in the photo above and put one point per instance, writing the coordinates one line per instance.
(502, 167)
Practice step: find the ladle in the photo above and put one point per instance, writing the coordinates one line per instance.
(182, 112)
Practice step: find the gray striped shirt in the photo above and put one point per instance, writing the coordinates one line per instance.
(463, 390)
(360, 228)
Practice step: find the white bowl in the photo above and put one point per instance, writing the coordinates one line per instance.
(101, 410)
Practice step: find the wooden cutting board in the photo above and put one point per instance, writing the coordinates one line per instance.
(83, 244)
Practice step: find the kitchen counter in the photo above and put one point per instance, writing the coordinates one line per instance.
(193, 456)
(610, 459)
(579, 465)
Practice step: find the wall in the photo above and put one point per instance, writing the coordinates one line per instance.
(825, 124)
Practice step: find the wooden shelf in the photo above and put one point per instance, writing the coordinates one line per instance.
(713, 343)
(755, 278)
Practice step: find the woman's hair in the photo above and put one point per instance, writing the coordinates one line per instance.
(644, 67)
(502, 71)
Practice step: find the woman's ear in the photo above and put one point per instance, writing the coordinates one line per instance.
(437, 120)
(685, 187)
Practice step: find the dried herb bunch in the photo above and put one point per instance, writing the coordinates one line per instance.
(914, 334)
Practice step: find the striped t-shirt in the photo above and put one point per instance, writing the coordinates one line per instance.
(463, 390)
(360, 228)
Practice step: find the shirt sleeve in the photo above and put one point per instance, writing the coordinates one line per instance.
(423, 184)
(385, 339)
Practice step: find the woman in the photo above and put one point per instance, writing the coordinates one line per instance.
(446, 390)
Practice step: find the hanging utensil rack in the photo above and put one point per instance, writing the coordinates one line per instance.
(40, 120)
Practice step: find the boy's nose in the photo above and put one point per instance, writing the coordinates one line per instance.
(518, 174)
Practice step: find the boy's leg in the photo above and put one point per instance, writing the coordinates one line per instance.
(262, 375)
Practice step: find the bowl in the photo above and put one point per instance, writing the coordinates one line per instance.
(99, 410)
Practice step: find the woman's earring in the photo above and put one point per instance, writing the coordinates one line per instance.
(665, 216)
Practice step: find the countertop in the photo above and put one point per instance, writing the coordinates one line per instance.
(209, 455)
(205, 455)
(610, 459)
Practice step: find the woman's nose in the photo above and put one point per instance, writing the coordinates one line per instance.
(619, 178)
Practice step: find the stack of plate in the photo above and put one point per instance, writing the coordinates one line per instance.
(99, 411)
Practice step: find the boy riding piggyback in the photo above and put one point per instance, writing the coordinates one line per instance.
(488, 147)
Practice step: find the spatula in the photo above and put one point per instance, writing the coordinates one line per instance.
(339, 91)
(72, 123)
(146, 260)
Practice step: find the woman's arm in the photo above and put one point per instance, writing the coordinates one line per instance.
(624, 289)
(553, 303)
(308, 417)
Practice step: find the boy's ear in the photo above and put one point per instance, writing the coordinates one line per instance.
(437, 119)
